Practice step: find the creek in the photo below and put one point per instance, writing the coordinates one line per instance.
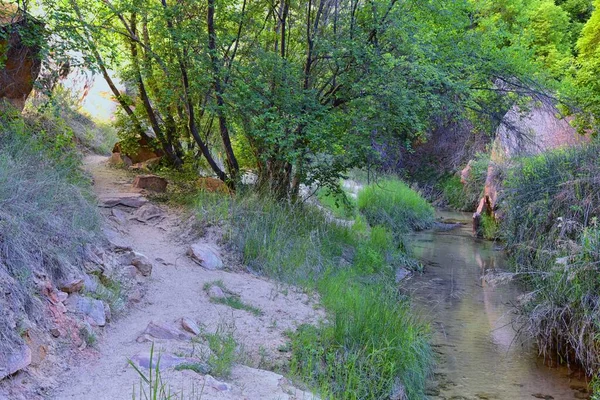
(479, 354)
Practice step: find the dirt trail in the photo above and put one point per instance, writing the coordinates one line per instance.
(175, 290)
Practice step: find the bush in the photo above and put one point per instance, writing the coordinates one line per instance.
(391, 203)
(550, 226)
(339, 204)
(46, 216)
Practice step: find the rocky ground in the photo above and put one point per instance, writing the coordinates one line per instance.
(180, 284)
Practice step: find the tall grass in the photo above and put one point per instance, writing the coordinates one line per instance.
(46, 216)
(552, 234)
(391, 203)
(373, 345)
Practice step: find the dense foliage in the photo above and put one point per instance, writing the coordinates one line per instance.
(299, 92)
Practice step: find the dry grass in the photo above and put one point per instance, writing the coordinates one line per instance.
(46, 218)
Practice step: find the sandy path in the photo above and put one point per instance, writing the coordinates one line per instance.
(175, 290)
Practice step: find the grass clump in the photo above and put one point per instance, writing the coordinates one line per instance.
(223, 354)
(391, 203)
(552, 204)
(235, 302)
(372, 347)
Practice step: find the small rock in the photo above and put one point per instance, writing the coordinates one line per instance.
(401, 274)
(72, 286)
(147, 213)
(206, 256)
(189, 325)
(163, 331)
(131, 271)
(150, 182)
(216, 292)
(62, 296)
(135, 296)
(142, 263)
(14, 360)
(542, 396)
(215, 384)
(92, 308)
(55, 332)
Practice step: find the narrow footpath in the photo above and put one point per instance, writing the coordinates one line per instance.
(176, 290)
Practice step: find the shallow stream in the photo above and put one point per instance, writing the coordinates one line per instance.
(479, 354)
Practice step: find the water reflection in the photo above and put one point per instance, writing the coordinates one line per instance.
(480, 355)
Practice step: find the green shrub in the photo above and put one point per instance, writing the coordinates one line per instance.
(552, 202)
(391, 203)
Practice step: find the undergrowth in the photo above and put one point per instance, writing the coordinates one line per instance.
(373, 347)
(552, 234)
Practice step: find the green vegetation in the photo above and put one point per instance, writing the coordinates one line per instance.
(223, 351)
(234, 301)
(391, 203)
(552, 208)
(373, 346)
(341, 205)
(465, 196)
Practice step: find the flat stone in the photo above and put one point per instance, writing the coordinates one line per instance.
(190, 326)
(147, 213)
(92, 308)
(72, 286)
(163, 360)
(216, 384)
(116, 240)
(131, 200)
(15, 360)
(164, 331)
(206, 256)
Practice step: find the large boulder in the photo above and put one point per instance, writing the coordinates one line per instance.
(522, 133)
(21, 62)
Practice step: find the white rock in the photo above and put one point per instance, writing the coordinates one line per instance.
(206, 256)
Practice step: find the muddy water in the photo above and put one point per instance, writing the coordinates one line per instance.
(479, 353)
